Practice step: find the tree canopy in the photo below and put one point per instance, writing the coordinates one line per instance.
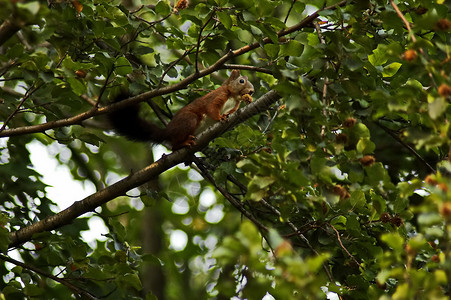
(336, 180)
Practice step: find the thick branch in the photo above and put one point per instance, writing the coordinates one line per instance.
(78, 119)
(142, 176)
(8, 29)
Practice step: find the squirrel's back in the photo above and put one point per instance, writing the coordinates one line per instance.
(127, 122)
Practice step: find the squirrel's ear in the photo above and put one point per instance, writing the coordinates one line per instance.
(235, 74)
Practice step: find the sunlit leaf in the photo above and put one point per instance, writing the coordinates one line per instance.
(391, 69)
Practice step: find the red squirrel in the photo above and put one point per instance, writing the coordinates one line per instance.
(189, 120)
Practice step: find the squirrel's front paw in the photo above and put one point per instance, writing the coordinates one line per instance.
(247, 98)
(223, 117)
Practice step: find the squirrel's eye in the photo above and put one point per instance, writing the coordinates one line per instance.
(241, 80)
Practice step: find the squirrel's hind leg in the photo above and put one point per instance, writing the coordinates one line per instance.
(181, 130)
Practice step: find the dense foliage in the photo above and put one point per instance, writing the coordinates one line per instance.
(343, 185)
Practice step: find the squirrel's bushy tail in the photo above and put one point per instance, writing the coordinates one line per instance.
(127, 122)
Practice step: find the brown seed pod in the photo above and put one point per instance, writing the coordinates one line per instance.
(430, 180)
(397, 221)
(367, 160)
(445, 210)
(443, 25)
(410, 55)
(385, 217)
(341, 138)
(80, 73)
(341, 191)
(435, 258)
(444, 90)
(349, 122)
(181, 4)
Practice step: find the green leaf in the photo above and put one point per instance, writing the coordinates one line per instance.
(123, 66)
(162, 8)
(429, 219)
(391, 69)
(248, 166)
(32, 290)
(133, 280)
(90, 139)
(393, 240)
(352, 88)
(77, 86)
(142, 50)
(292, 48)
(353, 64)
(379, 203)
(118, 16)
(365, 146)
(361, 131)
(320, 169)
(407, 189)
(150, 296)
(119, 229)
(262, 181)
(376, 174)
(378, 57)
(315, 263)
(111, 32)
(32, 6)
(4, 239)
(353, 225)
(225, 19)
(357, 200)
(437, 107)
(272, 50)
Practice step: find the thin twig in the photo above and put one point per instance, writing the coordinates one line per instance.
(399, 13)
(411, 34)
(407, 146)
(104, 86)
(26, 96)
(326, 80)
(247, 68)
(199, 41)
(36, 270)
(343, 247)
(149, 25)
(235, 202)
(289, 11)
(172, 64)
(230, 198)
(300, 235)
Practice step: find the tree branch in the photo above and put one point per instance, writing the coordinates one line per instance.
(78, 119)
(142, 176)
(8, 29)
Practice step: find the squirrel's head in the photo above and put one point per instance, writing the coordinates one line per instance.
(239, 85)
